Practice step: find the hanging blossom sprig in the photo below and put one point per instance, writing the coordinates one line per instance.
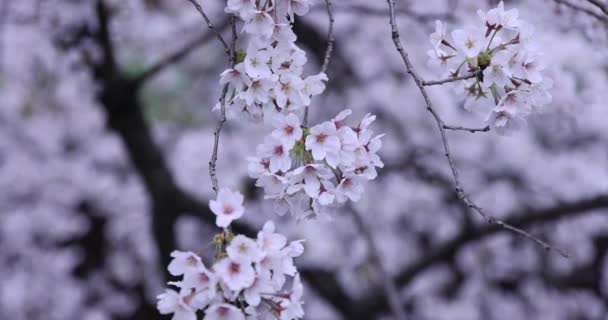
(268, 76)
(250, 278)
(508, 84)
(307, 170)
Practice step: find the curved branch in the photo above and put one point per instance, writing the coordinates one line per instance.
(523, 219)
(446, 147)
(580, 8)
(330, 36)
(328, 51)
(447, 251)
(601, 5)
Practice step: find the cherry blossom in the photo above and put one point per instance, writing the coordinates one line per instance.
(227, 207)
(184, 262)
(177, 304)
(503, 49)
(288, 129)
(253, 270)
(237, 275)
(276, 150)
(223, 311)
(244, 249)
(324, 143)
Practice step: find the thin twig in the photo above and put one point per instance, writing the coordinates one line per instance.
(210, 25)
(216, 141)
(588, 11)
(235, 37)
(471, 130)
(388, 285)
(451, 79)
(328, 51)
(330, 36)
(218, 129)
(601, 5)
(440, 125)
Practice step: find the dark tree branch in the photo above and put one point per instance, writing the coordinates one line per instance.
(519, 219)
(409, 68)
(603, 6)
(580, 8)
(471, 130)
(447, 251)
(169, 201)
(176, 56)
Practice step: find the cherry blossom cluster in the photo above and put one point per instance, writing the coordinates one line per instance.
(307, 170)
(501, 50)
(268, 77)
(250, 279)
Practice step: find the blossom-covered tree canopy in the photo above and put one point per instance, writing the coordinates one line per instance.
(303, 159)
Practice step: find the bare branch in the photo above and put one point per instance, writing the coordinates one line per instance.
(447, 250)
(328, 51)
(588, 11)
(211, 27)
(235, 37)
(451, 79)
(440, 125)
(471, 130)
(330, 36)
(601, 5)
(216, 141)
(388, 285)
(520, 219)
(218, 129)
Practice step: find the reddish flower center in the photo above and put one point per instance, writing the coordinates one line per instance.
(234, 267)
(321, 138)
(265, 164)
(223, 311)
(203, 278)
(347, 182)
(228, 209)
(278, 150)
(289, 129)
(191, 260)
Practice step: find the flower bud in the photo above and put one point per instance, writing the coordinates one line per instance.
(484, 60)
(240, 55)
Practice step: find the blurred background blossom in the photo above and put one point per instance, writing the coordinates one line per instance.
(106, 131)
